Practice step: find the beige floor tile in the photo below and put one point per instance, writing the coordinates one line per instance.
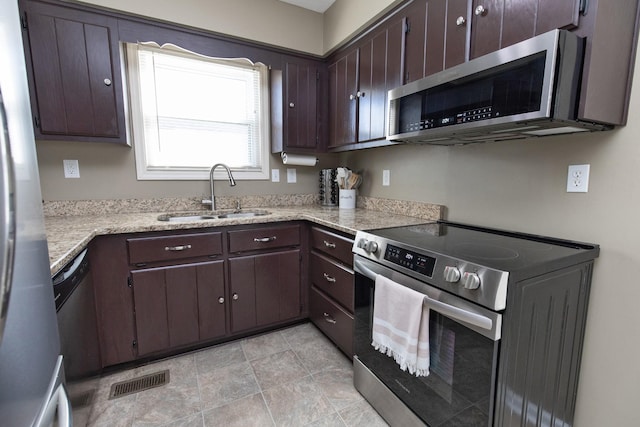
(224, 385)
(277, 369)
(361, 414)
(247, 411)
(297, 403)
(219, 356)
(337, 386)
(264, 345)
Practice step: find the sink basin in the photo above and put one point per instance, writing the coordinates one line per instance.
(187, 217)
(246, 214)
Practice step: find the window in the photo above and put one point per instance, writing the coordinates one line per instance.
(190, 111)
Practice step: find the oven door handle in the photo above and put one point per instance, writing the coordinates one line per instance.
(458, 314)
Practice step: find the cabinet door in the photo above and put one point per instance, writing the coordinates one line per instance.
(177, 306)
(265, 289)
(211, 300)
(447, 34)
(150, 306)
(343, 87)
(74, 74)
(487, 26)
(416, 39)
(526, 19)
(242, 290)
(277, 286)
(372, 89)
(300, 125)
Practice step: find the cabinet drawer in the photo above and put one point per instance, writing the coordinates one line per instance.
(332, 244)
(333, 279)
(331, 319)
(263, 238)
(167, 248)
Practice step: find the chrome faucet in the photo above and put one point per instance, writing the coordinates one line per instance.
(232, 182)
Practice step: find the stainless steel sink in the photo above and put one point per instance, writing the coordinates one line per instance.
(190, 217)
(245, 214)
(185, 218)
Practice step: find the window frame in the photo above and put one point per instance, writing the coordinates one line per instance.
(144, 172)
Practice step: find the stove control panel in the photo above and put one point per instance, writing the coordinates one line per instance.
(412, 260)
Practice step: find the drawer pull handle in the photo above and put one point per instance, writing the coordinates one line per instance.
(235, 297)
(329, 278)
(221, 300)
(264, 239)
(329, 244)
(177, 248)
(329, 319)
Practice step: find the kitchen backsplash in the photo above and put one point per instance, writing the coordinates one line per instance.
(96, 207)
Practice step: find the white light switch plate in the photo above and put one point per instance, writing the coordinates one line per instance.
(275, 175)
(71, 169)
(291, 176)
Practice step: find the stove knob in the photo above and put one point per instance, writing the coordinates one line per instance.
(470, 280)
(451, 274)
(369, 246)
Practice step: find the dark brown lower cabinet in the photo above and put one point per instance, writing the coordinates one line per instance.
(177, 306)
(264, 289)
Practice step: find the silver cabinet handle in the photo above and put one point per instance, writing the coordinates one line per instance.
(352, 97)
(329, 278)
(264, 239)
(221, 300)
(329, 319)
(177, 248)
(292, 105)
(7, 216)
(329, 244)
(480, 10)
(235, 297)
(460, 21)
(107, 82)
(360, 94)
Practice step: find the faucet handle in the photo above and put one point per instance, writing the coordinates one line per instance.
(238, 207)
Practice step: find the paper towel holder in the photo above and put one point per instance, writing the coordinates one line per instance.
(298, 159)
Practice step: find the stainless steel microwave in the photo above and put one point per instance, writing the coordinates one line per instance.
(529, 89)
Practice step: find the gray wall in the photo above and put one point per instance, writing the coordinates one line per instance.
(514, 185)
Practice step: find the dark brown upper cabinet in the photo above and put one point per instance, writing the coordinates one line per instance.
(501, 23)
(295, 108)
(359, 80)
(73, 63)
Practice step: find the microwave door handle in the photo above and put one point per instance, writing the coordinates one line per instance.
(459, 314)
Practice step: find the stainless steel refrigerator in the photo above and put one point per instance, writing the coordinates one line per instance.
(31, 373)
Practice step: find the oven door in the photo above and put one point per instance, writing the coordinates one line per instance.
(464, 342)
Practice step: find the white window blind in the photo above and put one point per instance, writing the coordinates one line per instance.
(191, 112)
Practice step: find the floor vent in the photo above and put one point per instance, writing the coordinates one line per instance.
(139, 384)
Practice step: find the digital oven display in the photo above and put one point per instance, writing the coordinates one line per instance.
(411, 260)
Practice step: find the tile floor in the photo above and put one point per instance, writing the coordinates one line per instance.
(290, 377)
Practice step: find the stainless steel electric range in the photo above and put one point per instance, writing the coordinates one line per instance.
(507, 315)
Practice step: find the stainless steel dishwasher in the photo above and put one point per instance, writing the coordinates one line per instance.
(77, 323)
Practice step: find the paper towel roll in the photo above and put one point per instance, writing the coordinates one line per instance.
(298, 159)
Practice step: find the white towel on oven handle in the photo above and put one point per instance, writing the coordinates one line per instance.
(401, 325)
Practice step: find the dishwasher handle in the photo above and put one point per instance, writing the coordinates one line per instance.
(65, 282)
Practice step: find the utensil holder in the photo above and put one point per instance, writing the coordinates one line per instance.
(347, 199)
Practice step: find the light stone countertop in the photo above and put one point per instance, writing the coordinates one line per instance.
(68, 235)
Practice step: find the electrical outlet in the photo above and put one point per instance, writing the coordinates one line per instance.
(71, 169)
(291, 176)
(386, 177)
(275, 175)
(578, 179)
